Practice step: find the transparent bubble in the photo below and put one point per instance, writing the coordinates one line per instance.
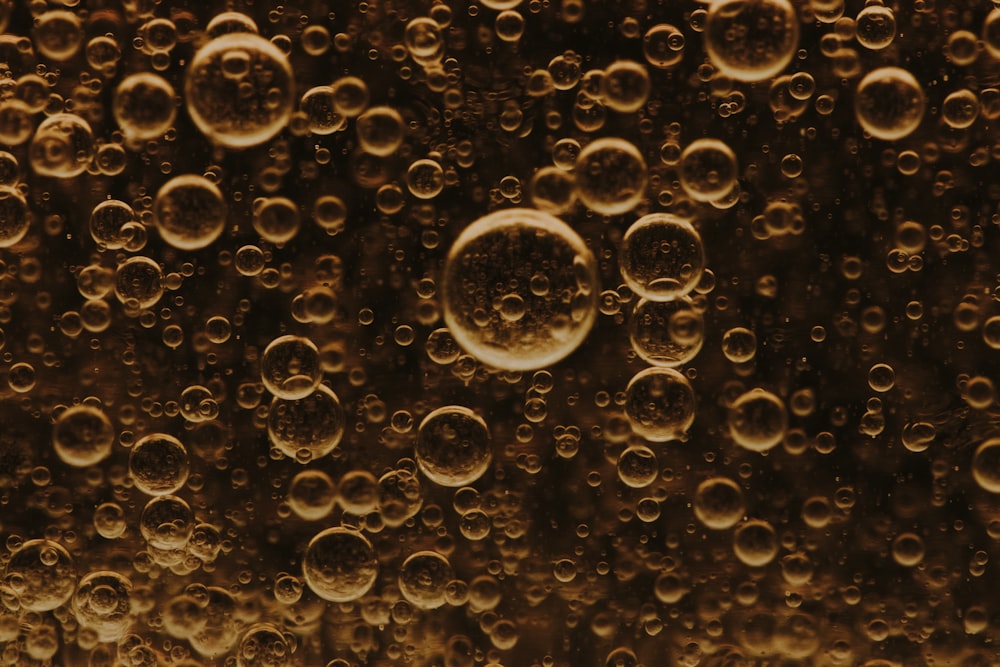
(308, 428)
(17, 124)
(875, 26)
(662, 257)
(312, 494)
(908, 549)
(739, 345)
(621, 657)
(509, 25)
(159, 464)
(10, 169)
(107, 221)
(423, 39)
(103, 603)
(82, 436)
(340, 565)
(637, 466)
(400, 497)
(216, 625)
(62, 147)
(758, 420)
(425, 179)
(708, 169)
(424, 578)
(319, 106)
(475, 525)
(109, 520)
(166, 522)
(263, 645)
(489, 304)
(991, 33)
(144, 106)
(663, 46)
(350, 95)
(881, 377)
(625, 86)
(889, 103)
(660, 404)
(611, 176)
(358, 492)
(15, 218)
(380, 130)
(986, 465)
(239, 90)
(453, 446)
(553, 190)
(666, 333)
(58, 34)
(751, 40)
(290, 367)
(41, 575)
(755, 543)
(190, 212)
(718, 503)
(960, 109)
(139, 279)
(225, 23)
(198, 404)
(276, 219)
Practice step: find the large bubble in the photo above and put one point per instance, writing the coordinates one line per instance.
(611, 176)
(751, 40)
(144, 106)
(453, 446)
(662, 257)
(340, 565)
(519, 290)
(190, 212)
(758, 420)
(41, 574)
(290, 367)
(239, 90)
(666, 333)
(889, 103)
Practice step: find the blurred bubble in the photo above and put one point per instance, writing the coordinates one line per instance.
(751, 40)
(755, 543)
(708, 169)
(190, 212)
(453, 446)
(758, 420)
(144, 106)
(340, 565)
(312, 494)
(611, 176)
(15, 218)
(718, 503)
(276, 219)
(166, 522)
(380, 130)
(62, 147)
(82, 436)
(102, 602)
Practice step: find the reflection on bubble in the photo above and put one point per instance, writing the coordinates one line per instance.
(339, 565)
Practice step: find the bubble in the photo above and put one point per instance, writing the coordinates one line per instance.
(423, 39)
(263, 645)
(158, 464)
(239, 90)
(276, 219)
(739, 345)
(308, 428)
(198, 404)
(660, 404)
(290, 367)
(319, 106)
(109, 520)
(425, 179)
(58, 34)
(139, 279)
(190, 212)
(751, 40)
(340, 565)
(755, 543)
(82, 436)
(453, 446)
(16, 123)
(908, 549)
(666, 333)
(986, 465)
(216, 624)
(960, 109)
(553, 190)
(509, 26)
(10, 170)
(103, 603)
(144, 106)
(637, 467)
(312, 494)
(889, 103)
(662, 257)
(758, 420)
(358, 492)
(718, 503)
(41, 575)
(875, 26)
(167, 522)
(881, 378)
(380, 131)
(625, 86)
(107, 222)
(611, 176)
(991, 33)
(62, 147)
(708, 169)
(350, 95)
(225, 23)
(663, 46)
(621, 657)
(489, 305)
(424, 578)
(15, 218)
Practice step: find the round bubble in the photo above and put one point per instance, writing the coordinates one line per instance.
(663, 46)
(611, 176)
(107, 222)
(424, 578)
(718, 503)
(739, 345)
(662, 257)
(103, 603)
(400, 497)
(708, 170)
(159, 464)
(758, 420)
(986, 465)
(239, 90)
(751, 40)
(308, 428)
(453, 446)
(755, 543)
(190, 212)
(659, 404)
(167, 522)
(625, 86)
(276, 219)
(58, 34)
(340, 565)
(380, 131)
(889, 103)
(425, 179)
(62, 147)
(520, 289)
(312, 494)
(319, 106)
(139, 279)
(263, 645)
(637, 466)
(82, 436)
(666, 333)
(991, 33)
(15, 218)
(290, 367)
(217, 622)
(875, 26)
(144, 106)
(41, 575)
